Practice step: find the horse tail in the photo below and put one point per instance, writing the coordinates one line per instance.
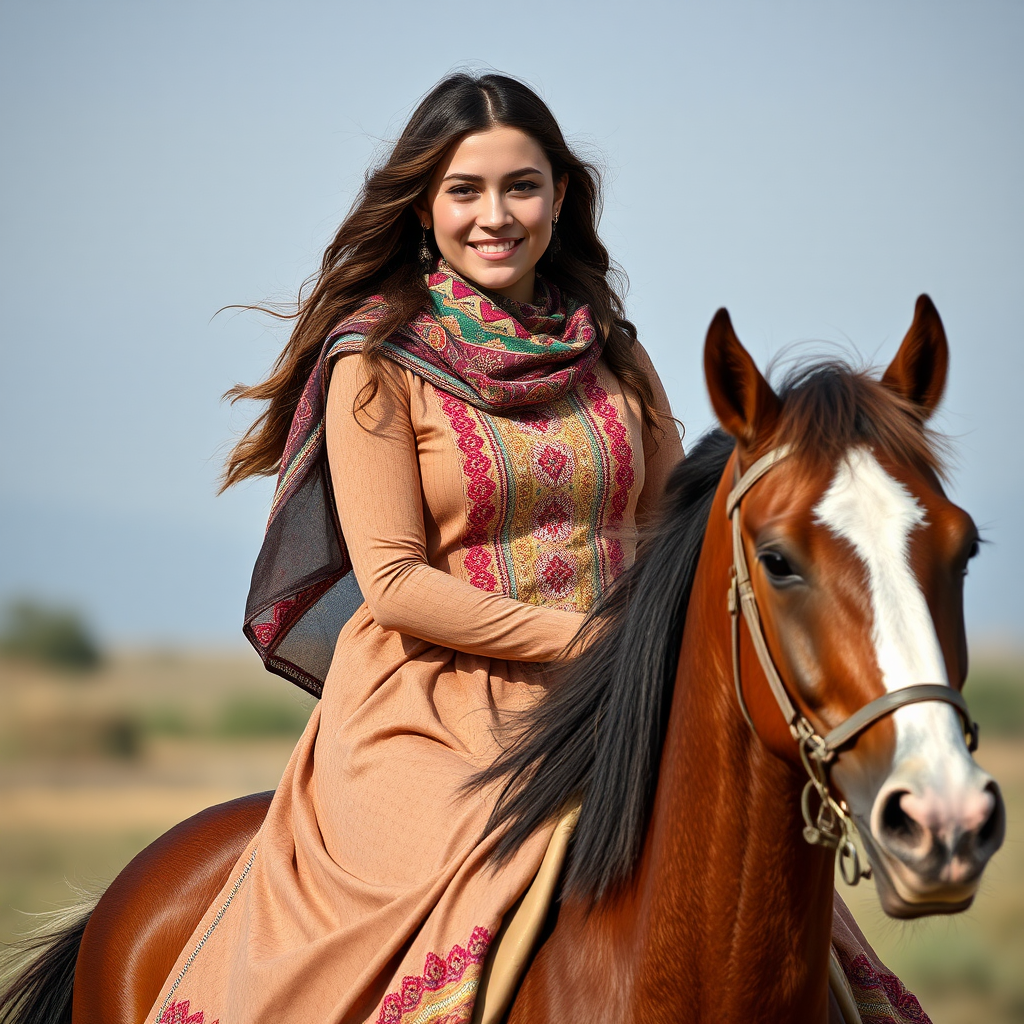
(37, 973)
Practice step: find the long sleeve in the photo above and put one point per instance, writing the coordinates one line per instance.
(663, 449)
(376, 477)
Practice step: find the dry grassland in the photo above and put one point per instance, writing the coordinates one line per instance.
(92, 768)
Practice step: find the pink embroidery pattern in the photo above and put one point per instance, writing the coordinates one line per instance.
(266, 631)
(546, 493)
(552, 521)
(622, 452)
(556, 575)
(446, 990)
(480, 491)
(285, 612)
(177, 1013)
(553, 463)
(534, 421)
(881, 997)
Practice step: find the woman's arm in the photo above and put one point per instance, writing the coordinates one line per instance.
(376, 477)
(662, 449)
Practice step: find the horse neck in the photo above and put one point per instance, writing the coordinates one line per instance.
(733, 908)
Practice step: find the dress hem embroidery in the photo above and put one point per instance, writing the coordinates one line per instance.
(880, 996)
(446, 990)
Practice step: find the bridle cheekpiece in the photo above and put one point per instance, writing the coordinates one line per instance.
(832, 826)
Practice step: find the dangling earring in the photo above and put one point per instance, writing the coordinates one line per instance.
(554, 245)
(426, 253)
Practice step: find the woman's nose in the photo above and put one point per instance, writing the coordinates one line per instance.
(495, 213)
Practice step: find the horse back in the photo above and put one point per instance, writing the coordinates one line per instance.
(145, 917)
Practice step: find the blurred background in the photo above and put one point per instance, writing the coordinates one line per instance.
(812, 166)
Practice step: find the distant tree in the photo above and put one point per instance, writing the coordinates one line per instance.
(50, 635)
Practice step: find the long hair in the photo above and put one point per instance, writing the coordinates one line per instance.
(376, 251)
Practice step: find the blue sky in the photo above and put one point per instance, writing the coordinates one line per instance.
(811, 166)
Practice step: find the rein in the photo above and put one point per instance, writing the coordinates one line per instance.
(832, 826)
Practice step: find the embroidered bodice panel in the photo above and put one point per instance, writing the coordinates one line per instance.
(549, 494)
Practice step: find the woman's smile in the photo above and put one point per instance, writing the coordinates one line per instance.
(490, 204)
(495, 248)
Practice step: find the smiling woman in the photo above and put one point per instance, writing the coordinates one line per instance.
(493, 204)
(487, 130)
(465, 420)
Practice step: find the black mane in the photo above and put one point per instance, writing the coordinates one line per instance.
(599, 732)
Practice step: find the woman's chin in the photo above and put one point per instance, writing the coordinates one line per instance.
(506, 277)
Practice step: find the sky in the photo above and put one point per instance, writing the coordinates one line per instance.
(813, 166)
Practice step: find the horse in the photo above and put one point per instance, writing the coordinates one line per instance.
(781, 666)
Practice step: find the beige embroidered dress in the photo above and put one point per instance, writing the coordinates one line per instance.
(478, 541)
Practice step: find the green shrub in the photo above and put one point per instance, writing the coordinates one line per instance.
(246, 716)
(78, 736)
(168, 720)
(120, 736)
(995, 694)
(51, 636)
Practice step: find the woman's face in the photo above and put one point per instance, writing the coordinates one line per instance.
(490, 203)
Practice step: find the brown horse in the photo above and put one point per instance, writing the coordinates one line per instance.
(690, 892)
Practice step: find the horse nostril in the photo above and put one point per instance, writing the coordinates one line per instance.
(896, 822)
(995, 824)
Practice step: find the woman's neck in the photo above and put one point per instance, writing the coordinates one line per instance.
(522, 292)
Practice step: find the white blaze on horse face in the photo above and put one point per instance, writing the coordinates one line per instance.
(876, 514)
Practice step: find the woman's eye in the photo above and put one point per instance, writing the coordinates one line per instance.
(461, 190)
(524, 186)
(776, 565)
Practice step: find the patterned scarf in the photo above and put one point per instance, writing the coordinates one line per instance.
(496, 357)
(491, 353)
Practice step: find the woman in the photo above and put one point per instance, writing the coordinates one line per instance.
(478, 438)
(494, 435)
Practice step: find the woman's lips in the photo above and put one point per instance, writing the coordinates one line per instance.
(495, 249)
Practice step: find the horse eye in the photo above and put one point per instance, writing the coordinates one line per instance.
(776, 565)
(972, 553)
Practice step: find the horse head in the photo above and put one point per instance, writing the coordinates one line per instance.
(855, 560)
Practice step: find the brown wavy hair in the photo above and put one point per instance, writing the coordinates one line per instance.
(376, 251)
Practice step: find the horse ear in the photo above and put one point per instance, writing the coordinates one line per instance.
(918, 372)
(742, 399)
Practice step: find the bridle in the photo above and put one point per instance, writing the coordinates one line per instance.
(832, 826)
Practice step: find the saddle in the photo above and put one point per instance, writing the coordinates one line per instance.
(516, 942)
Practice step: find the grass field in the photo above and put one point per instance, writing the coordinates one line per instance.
(95, 766)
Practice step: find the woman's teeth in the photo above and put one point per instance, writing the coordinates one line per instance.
(496, 246)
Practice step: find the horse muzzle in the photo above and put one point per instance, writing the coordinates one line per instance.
(929, 843)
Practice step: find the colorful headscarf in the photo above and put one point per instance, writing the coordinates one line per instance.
(489, 352)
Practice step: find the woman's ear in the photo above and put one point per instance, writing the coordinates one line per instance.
(422, 210)
(560, 187)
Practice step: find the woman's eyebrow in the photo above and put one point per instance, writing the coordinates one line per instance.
(459, 176)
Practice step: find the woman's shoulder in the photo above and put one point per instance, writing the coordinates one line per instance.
(374, 391)
(357, 368)
(627, 366)
(666, 425)
(644, 360)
